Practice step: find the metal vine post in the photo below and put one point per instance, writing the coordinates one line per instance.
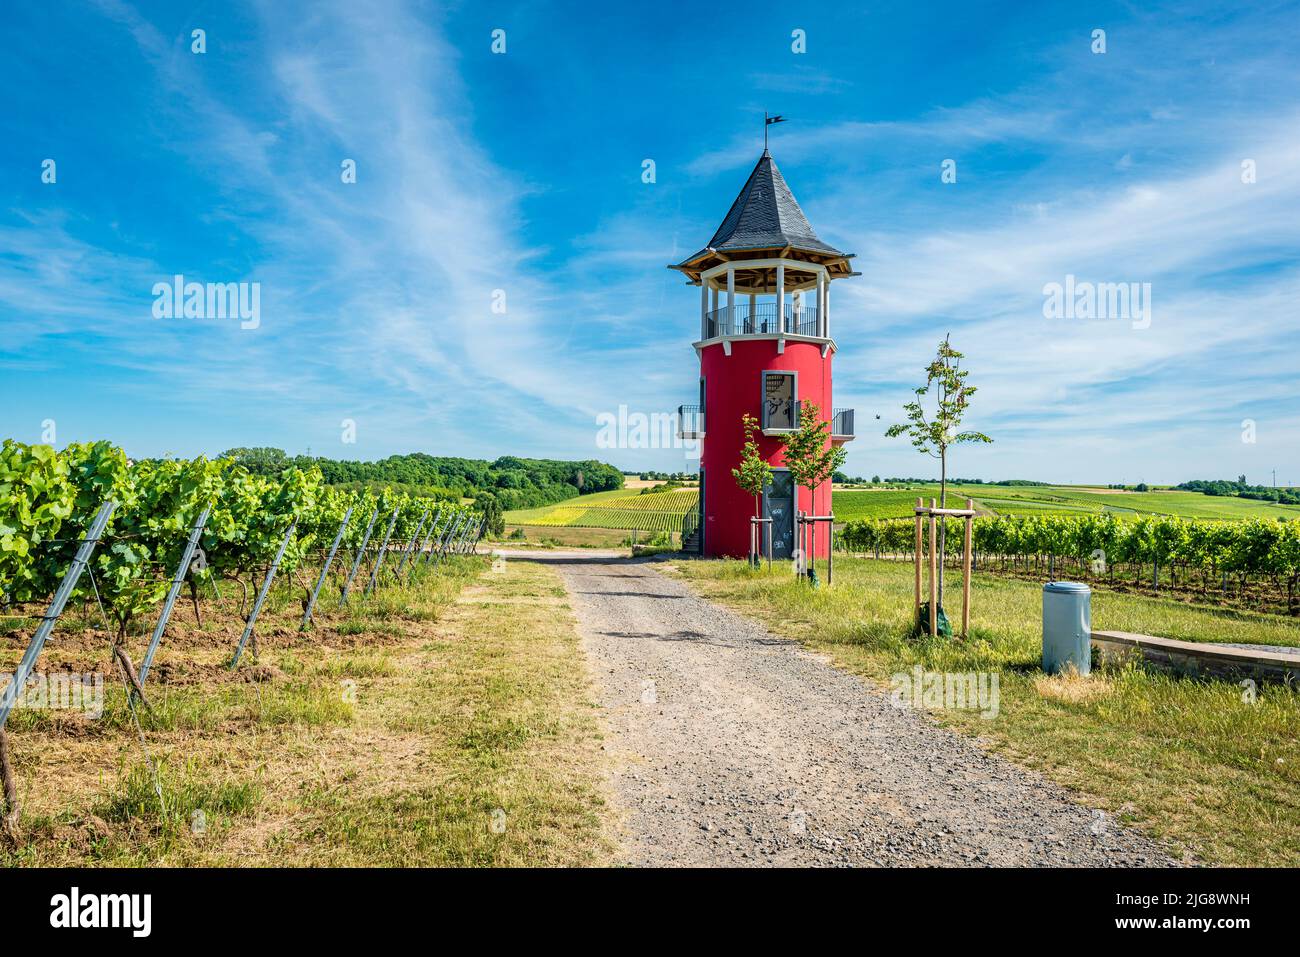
(262, 593)
(61, 596)
(182, 569)
(451, 535)
(437, 542)
(428, 538)
(383, 550)
(311, 602)
(406, 552)
(361, 552)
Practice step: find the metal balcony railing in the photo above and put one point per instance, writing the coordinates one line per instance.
(774, 413)
(740, 320)
(842, 424)
(690, 422)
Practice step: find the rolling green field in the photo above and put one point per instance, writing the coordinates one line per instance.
(855, 504)
(627, 509)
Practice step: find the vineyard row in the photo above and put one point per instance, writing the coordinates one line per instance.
(49, 499)
(1251, 550)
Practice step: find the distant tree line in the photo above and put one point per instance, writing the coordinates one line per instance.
(845, 479)
(510, 481)
(1241, 489)
(666, 476)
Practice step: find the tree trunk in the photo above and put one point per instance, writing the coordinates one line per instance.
(129, 673)
(194, 600)
(9, 823)
(943, 527)
(12, 812)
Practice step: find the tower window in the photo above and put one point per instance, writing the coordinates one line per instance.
(780, 410)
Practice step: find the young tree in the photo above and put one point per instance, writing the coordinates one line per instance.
(754, 474)
(809, 454)
(933, 434)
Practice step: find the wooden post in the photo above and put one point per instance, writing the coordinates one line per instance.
(934, 580)
(830, 550)
(965, 572)
(916, 561)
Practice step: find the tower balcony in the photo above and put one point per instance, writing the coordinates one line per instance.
(779, 419)
(842, 426)
(690, 422)
(761, 318)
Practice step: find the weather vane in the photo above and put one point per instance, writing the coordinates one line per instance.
(768, 121)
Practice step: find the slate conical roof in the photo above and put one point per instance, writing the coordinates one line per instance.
(765, 216)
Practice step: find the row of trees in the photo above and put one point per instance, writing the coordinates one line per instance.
(669, 476)
(1242, 489)
(845, 479)
(514, 482)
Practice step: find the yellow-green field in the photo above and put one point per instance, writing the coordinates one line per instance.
(625, 509)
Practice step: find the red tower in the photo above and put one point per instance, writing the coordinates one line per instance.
(765, 348)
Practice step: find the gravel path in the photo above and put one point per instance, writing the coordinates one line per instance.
(735, 747)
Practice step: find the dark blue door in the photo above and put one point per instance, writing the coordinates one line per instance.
(778, 505)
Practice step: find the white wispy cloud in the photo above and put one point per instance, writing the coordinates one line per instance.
(377, 296)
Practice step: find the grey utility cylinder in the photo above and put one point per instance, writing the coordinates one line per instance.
(1067, 627)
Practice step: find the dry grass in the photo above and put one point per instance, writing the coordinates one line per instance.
(390, 735)
(1072, 688)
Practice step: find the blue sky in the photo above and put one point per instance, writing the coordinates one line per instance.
(521, 172)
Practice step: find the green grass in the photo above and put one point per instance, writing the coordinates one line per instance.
(1190, 761)
(185, 790)
(147, 813)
